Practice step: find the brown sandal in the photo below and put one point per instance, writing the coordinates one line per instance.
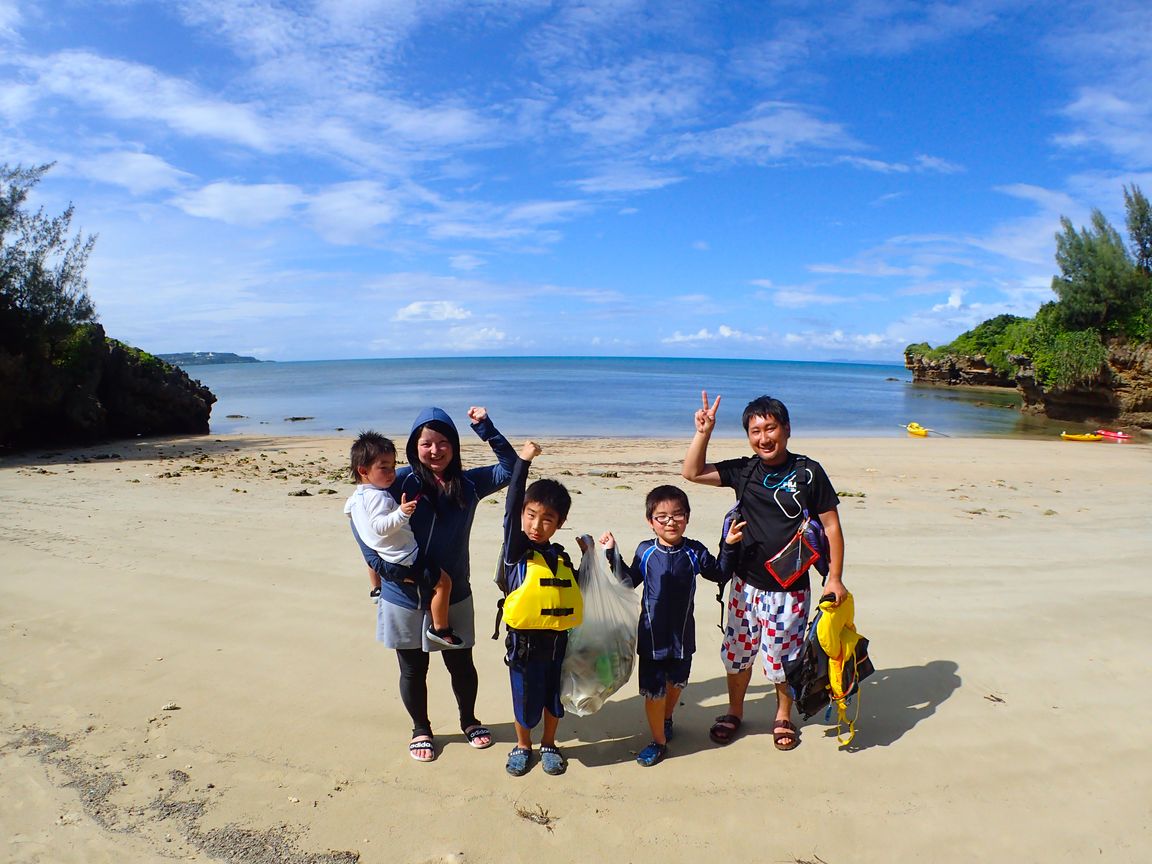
(725, 729)
(790, 734)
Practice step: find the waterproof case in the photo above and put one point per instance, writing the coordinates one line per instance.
(791, 562)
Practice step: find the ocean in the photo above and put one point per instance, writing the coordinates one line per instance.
(597, 397)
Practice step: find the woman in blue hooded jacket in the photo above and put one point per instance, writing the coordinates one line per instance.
(446, 496)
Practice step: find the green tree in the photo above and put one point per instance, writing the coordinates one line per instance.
(1139, 218)
(43, 290)
(1098, 280)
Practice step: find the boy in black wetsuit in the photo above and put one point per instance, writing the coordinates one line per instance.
(666, 635)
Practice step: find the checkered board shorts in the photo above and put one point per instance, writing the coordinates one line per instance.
(772, 621)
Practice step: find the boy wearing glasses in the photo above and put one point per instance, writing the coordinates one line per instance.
(667, 566)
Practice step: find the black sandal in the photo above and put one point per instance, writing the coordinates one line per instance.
(417, 748)
(725, 729)
(785, 730)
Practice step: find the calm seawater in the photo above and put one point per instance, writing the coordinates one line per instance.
(590, 397)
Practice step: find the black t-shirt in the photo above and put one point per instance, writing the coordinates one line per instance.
(773, 505)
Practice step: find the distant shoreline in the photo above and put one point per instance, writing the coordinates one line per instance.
(207, 358)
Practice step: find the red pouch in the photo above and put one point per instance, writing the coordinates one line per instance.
(793, 561)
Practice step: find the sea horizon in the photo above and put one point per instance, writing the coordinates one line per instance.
(593, 397)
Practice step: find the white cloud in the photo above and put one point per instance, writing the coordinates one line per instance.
(465, 261)
(776, 130)
(882, 200)
(131, 91)
(936, 165)
(869, 28)
(625, 179)
(840, 341)
(870, 266)
(16, 102)
(801, 298)
(441, 125)
(242, 204)
(921, 164)
(1114, 123)
(723, 333)
(139, 173)
(613, 104)
(955, 301)
(542, 212)
(348, 213)
(432, 310)
(464, 339)
(9, 19)
(1105, 51)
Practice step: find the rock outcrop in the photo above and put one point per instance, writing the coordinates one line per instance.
(89, 388)
(955, 370)
(1120, 396)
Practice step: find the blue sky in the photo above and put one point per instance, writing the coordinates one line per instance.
(373, 178)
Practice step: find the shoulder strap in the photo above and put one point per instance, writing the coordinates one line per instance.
(800, 469)
(745, 477)
(801, 465)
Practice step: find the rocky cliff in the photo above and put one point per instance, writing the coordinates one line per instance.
(87, 387)
(955, 371)
(1120, 396)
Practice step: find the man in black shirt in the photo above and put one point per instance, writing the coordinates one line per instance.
(768, 606)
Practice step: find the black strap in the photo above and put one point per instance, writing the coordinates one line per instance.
(802, 480)
(745, 478)
(499, 615)
(800, 469)
(559, 611)
(555, 583)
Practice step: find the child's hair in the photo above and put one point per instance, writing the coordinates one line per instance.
(369, 447)
(765, 406)
(666, 493)
(550, 494)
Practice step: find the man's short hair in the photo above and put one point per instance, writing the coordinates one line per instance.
(666, 493)
(765, 406)
(550, 494)
(369, 447)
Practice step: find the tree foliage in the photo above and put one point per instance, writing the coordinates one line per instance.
(43, 290)
(1139, 219)
(994, 340)
(1103, 290)
(1096, 278)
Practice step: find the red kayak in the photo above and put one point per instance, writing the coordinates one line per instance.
(1115, 436)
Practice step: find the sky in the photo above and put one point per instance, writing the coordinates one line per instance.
(405, 178)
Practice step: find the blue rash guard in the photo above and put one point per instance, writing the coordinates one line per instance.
(442, 528)
(667, 628)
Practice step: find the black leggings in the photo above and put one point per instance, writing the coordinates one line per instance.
(414, 685)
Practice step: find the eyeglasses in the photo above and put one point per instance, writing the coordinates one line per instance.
(669, 518)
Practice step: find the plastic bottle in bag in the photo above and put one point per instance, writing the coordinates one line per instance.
(602, 650)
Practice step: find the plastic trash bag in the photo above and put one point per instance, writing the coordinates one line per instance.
(602, 650)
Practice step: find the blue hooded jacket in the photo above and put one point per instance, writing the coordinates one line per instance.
(441, 526)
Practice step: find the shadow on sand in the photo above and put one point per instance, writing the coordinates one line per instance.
(891, 702)
(174, 447)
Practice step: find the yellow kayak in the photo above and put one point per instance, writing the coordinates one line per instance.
(917, 430)
(1088, 436)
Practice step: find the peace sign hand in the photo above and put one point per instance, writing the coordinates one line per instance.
(706, 416)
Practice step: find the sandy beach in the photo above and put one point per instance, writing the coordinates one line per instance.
(189, 670)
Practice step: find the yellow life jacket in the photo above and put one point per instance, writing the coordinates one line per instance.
(546, 600)
(848, 661)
